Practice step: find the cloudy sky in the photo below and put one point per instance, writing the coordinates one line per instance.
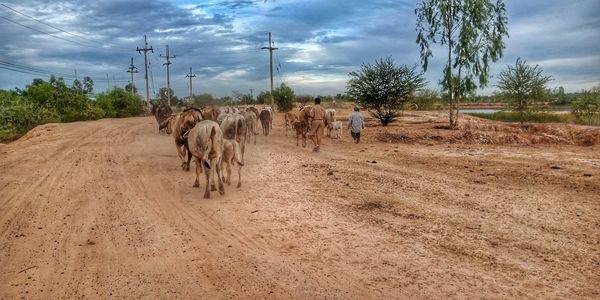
(319, 42)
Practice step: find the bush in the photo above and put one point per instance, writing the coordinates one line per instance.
(586, 108)
(119, 104)
(384, 87)
(284, 98)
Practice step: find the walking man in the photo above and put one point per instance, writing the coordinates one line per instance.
(356, 124)
(317, 127)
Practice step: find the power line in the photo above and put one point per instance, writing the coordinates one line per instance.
(46, 33)
(42, 72)
(57, 28)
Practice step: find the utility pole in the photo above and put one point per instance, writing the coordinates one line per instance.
(190, 76)
(132, 69)
(146, 49)
(107, 83)
(270, 48)
(168, 58)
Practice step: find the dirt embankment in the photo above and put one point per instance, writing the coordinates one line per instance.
(101, 209)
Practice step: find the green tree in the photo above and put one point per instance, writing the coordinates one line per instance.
(384, 87)
(284, 98)
(264, 97)
(119, 103)
(129, 86)
(426, 99)
(522, 85)
(472, 31)
(77, 86)
(586, 107)
(163, 94)
(203, 100)
(88, 85)
(247, 99)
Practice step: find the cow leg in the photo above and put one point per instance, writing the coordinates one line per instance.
(207, 173)
(239, 169)
(218, 170)
(181, 153)
(198, 171)
(213, 187)
(227, 170)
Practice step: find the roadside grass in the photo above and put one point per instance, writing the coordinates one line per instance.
(7, 135)
(536, 117)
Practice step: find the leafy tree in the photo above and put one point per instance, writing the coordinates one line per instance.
(77, 86)
(384, 87)
(586, 107)
(284, 98)
(523, 84)
(247, 99)
(264, 97)
(304, 99)
(203, 99)
(129, 86)
(472, 31)
(426, 99)
(163, 94)
(88, 85)
(119, 103)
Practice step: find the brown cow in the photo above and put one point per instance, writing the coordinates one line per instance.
(302, 124)
(265, 121)
(231, 156)
(161, 112)
(234, 127)
(290, 119)
(250, 125)
(205, 143)
(177, 126)
(211, 112)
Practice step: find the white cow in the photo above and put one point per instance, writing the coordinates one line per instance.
(337, 129)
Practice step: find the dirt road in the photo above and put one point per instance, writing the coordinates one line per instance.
(101, 209)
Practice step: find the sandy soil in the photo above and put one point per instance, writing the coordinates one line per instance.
(102, 210)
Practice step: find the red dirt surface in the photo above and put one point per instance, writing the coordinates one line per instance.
(102, 209)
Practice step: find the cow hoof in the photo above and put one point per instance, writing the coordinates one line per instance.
(206, 195)
(239, 185)
(222, 191)
(196, 184)
(212, 187)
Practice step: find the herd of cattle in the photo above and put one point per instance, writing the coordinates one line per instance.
(215, 138)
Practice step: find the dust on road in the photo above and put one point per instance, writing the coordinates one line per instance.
(101, 209)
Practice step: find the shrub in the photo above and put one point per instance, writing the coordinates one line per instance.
(284, 98)
(119, 104)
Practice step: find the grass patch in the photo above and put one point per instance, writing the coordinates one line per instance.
(531, 117)
(7, 135)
